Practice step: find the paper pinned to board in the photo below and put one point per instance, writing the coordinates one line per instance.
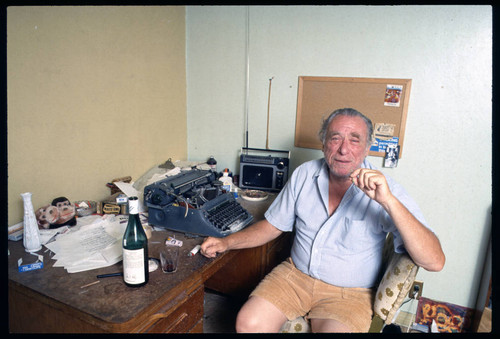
(384, 131)
(393, 95)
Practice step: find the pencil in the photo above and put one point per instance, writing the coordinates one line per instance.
(92, 283)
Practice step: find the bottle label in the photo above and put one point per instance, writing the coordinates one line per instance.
(227, 183)
(133, 266)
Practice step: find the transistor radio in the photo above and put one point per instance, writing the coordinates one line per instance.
(263, 169)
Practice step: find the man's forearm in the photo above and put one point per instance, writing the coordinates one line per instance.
(421, 243)
(254, 235)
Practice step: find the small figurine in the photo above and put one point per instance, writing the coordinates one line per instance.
(60, 213)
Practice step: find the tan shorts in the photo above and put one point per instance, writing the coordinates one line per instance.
(297, 294)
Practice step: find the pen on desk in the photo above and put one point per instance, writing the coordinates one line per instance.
(117, 274)
(194, 250)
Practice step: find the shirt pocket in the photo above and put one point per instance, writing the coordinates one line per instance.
(357, 236)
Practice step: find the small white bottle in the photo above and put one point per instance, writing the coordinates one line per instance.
(227, 181)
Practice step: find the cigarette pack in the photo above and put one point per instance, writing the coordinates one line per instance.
(173, 242)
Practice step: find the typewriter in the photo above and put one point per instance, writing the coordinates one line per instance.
(193, 202)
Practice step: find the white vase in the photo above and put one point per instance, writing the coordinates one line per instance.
(31, 236)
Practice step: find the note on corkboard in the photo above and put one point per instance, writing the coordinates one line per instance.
(384, 101)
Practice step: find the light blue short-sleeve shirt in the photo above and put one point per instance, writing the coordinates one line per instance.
(344, 249)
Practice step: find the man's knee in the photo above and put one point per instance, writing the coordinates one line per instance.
(259, 315)
(246, 322)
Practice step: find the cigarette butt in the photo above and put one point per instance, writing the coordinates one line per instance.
(92, 283)
(194, 250)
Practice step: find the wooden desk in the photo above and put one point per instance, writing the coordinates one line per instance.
(52, 300)
(245, 270)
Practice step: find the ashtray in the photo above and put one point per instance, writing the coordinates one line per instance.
(254, 195)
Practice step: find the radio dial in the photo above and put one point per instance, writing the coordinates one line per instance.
(280, 165)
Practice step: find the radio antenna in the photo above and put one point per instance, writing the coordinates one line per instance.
(247, 74)
(268, 106)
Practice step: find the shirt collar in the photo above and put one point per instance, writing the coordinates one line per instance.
(323, 172)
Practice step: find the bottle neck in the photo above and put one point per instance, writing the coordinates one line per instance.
(133, 205)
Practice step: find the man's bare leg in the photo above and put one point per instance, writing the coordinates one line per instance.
(329, 326)
(259, 316)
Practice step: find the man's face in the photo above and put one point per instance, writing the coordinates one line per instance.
(345, 145)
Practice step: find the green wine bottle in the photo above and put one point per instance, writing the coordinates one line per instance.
(135, 249)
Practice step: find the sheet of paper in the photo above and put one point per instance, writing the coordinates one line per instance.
(126, 188)
(46, 235)
(91, 265)
(157, 177)
(130, 191)
(93, 245)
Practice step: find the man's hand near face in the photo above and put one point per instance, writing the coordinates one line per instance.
(373, 183)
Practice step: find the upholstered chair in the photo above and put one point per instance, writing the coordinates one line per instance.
(399, 274)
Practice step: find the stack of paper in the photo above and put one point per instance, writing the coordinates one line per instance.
(91, 246)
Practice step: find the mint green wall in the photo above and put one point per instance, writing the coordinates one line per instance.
(445, 50)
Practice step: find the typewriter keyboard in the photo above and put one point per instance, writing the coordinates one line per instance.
(229, 215)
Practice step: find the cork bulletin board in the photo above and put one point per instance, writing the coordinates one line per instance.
(384, 101)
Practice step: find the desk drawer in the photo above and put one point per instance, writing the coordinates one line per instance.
(183, 319)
